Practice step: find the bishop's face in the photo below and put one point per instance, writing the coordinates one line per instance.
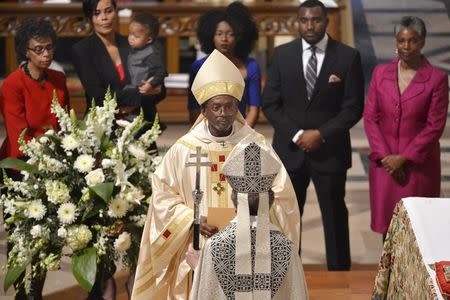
(220, 111)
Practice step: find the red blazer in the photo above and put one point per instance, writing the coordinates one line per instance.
(26, 104)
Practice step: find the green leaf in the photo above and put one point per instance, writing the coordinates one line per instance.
(15, 163)
(84, 267)
(92, 211)
(103, 190)
(14, 273)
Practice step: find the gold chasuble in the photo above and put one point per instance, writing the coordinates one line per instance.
(162, 272)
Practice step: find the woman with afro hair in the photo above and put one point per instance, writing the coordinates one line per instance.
(234, 33)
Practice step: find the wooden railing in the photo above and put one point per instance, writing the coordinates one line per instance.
(177, 20)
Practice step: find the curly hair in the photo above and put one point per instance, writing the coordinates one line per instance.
(32, 28)
(239, 18)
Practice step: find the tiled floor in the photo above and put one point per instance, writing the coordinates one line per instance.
(374, 38)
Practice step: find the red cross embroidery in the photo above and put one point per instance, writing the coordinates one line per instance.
(222, 177)
(166, 233)
(221, 158)
(214, 167)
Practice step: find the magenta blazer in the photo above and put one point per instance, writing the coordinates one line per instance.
(410, 125)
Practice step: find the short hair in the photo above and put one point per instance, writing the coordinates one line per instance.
(32, 28)
(148, 20)
(89, 7)
(414, 23)
(314, 3)
(238, 16)
(253, 201)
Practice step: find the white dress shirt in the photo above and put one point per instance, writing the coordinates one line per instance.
(321, 46)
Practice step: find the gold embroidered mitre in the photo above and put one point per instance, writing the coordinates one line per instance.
(217, 76)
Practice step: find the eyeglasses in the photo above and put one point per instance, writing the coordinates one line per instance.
(39, 50)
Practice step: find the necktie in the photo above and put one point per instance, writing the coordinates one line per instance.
(311, 72)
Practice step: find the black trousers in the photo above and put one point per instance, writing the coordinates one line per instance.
(330, 189)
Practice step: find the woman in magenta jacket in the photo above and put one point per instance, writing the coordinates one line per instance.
(404, 118)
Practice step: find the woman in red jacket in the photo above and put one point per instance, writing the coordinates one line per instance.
(28, 91)
(27, 96)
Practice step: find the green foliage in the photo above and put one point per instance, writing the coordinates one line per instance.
(84, 267)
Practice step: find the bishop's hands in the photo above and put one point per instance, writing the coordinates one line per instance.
(394, 164)
(309, 140)
(207, 230)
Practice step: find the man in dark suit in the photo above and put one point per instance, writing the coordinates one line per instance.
(313, 96)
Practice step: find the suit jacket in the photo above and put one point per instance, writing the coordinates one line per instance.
(333, 109)
(97, 71)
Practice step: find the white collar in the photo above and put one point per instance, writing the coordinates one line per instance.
(321, 45)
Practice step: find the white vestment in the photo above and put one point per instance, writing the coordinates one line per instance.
(162, 272)
(215, 278)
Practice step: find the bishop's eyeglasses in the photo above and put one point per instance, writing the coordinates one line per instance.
(40, 49)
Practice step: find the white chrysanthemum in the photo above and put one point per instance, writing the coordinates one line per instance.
(67, 213)
(36, 210)
(137, 151)
(122, 123)
(69, 142)
(84, 163)
(118, 208)
(57, 191)
(123, 242)
(107, 163)
(78, 237)
(62, 232)
(95, 177)
(36, 231)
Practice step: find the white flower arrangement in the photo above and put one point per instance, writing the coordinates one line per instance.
(84, 194)
(123, 242)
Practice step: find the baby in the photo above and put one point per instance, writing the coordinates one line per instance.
(145, 59)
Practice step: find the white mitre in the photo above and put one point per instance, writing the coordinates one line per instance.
(217, 76)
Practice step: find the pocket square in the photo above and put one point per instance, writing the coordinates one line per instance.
(333, 78)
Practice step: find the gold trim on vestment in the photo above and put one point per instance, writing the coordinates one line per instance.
(220, 87)
(174, 227)
(162, 243)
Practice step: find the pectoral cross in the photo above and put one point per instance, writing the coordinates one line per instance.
(197, 193)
